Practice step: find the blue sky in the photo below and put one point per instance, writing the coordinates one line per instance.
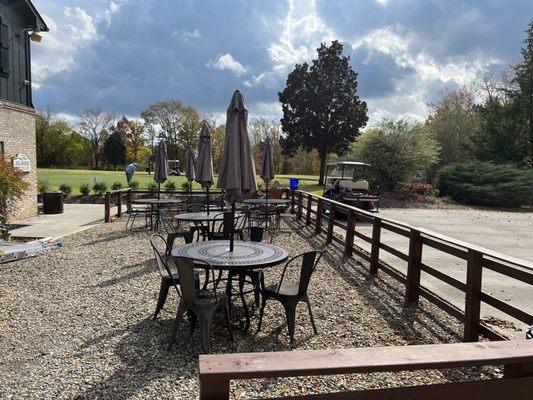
(121, 55)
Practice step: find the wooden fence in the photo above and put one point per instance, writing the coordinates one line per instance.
(216, 371)
(309, 209)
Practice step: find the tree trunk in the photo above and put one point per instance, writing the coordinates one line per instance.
(322, 168)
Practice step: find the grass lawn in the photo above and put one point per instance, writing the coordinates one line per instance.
(77, 177)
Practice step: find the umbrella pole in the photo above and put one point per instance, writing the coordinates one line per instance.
(232, 230)
(158, 205)
(207, 189)
(266, 205)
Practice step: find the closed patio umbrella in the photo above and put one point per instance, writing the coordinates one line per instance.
(190, 167)
(237, 170)
(161, 171)
(204, 164)
(267, 166)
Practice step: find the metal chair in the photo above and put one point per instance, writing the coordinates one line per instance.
(256, 234)
(201, 303)
(173, 231)
(221, 228)
(290, 294)
(137, 211)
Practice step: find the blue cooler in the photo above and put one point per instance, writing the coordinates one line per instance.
(294, 182)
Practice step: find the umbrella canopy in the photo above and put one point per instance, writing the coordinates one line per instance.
(204, 164)
(161, 167)
(237, 170)
(190, 165)
(267, 169)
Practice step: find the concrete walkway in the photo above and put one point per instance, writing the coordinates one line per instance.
(76, 217)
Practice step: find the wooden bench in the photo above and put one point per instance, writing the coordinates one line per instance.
(216, 371)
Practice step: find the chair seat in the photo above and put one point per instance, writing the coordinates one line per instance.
(206, 297)
(173, 277)
(287, 289)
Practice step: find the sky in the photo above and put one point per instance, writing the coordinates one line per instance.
(122, 55)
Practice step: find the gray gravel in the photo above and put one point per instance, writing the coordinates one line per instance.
(76, 323)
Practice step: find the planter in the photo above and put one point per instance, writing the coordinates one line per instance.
(275, 193)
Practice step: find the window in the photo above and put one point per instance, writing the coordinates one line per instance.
(4, 48)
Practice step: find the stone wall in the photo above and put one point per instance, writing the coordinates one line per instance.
(17, 132)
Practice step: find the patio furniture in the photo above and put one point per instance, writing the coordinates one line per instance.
(202, 220)
(155, 205)
(135, 212)
(201, 303)
(245, 257)
(290, 294)
(173, 232)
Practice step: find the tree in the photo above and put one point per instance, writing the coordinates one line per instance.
(115, 149)
(42, 121)
(191, 123)
(94, 126)
(321, 109)
(395, 149)
(453, 121)
(163, 119)
(132, 132)
(260, 129)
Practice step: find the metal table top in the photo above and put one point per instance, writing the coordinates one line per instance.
(265, 201)
(202, 216)
(157, 201)
(245, 255)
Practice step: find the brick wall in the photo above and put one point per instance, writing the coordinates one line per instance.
(17, 131)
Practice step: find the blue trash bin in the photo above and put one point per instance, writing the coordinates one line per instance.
(294, 182)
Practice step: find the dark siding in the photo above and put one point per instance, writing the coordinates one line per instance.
(12, 86)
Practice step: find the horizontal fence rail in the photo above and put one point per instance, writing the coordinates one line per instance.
(310, 211)
(216, 371)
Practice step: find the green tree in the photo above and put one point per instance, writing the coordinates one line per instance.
(94, 125)
(163, 119)
(321, 109)
(396, 149)
(191, 123)
(115, 149)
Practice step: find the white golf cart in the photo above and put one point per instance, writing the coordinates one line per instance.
(345, 182)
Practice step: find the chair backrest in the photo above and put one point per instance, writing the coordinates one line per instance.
(194, 207)
(166, 222)
(310, 260)
(224, 226)
(187, 278)
(257, 234)
(158, 243)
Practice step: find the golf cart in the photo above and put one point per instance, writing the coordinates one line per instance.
(345, 182)
(173, 167)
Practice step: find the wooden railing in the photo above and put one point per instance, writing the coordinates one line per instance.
(309, 209)
(116, 198)
(216, 371)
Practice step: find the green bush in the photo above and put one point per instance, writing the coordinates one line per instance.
(133, 185)
(116, 185)
(486, 184)
(152, 185)
(100, 188)
(12, 187)
(186, 186)
(43, 185)
(170, 186)
(66, 189)
(85, 189)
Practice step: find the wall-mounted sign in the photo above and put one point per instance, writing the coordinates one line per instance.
(22, 163)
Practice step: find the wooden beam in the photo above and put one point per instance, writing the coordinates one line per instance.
(473, 296)
(376, 240)
(413, 267)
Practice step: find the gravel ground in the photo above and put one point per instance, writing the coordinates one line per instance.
(76, 323)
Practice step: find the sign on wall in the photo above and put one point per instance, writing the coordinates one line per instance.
(22, 163)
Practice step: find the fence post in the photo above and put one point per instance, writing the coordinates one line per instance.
(413, 267)
(214, 389)
(350, 228)
(376, 241)
(292, 201)
(308, 214)
(331, 223)
(119, 204)
(473, 294)
(300, 205)
(129, 196)
(319, 215)
(107, 215)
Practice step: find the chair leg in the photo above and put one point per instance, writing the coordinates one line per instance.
(290, 313)
(181, 310)
(311, 314)
(228, 321)
(163, 293)
(255, 277)
(263, 304)
(206, 319)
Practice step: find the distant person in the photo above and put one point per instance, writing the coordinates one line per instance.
(130, 171)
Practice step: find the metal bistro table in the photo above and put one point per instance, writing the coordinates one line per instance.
(269, 202)
(154, 202)
(245, 257)
(202, 219)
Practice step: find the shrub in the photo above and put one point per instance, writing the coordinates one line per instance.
(99, 188)
(152, 185)
(43, 185)
(85, 189)
(116, 185)
(133, 185)
(170, 186)
(185, 185)
(12, 186)
(486, 184)
(66, 189)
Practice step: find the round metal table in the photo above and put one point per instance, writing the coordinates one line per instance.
(274, 202)
(203, 216)
(154, 201)
(245, 258)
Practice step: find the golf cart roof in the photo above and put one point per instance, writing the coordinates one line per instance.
(348, 163)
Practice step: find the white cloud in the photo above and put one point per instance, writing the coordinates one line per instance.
(226, 62)
(191, 35)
